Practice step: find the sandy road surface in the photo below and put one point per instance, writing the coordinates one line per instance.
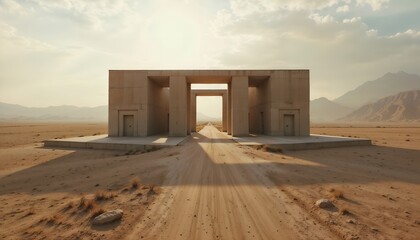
(211, 188)
(217, 191)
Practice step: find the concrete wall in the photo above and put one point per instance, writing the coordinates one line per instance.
(289, 91)
(256, 100)
(158, 108)
(178, 108)
(239, 106)
(127, 95)
(259, 108)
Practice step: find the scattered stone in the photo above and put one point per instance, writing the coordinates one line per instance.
(324, 203)
(108, 217)
(351, 221)
(417, 222)
(374, 229)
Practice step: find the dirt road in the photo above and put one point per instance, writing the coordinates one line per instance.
(211, 188)
(215, 190)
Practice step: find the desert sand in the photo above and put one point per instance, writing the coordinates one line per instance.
(210, 187)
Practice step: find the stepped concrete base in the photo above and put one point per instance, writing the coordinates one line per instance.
(302, 143)
(115, 143)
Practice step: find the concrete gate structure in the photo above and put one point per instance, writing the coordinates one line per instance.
(209, 93)
(149, 102)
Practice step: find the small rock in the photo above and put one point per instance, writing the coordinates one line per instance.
(417, 222)
(351, 221)
(374, 229)
(324, 203)
(108, 217)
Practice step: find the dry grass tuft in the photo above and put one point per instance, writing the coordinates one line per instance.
(336, 193)
(272, 149)
(54, 220)
(82, 202)
(152, 190)
(104, 195)
(134, 183)
(69, 206)
(87, 204)
(90, 204)
(344, 211)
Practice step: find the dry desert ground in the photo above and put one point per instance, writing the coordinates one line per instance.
(210, 187)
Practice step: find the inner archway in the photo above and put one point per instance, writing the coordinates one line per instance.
(209, 110)
(208, 103)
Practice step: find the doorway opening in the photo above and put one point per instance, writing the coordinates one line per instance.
(128, 125)
(209, 111)
(289, 125)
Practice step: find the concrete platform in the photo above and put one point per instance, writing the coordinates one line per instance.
(302, 143)
(116, 143)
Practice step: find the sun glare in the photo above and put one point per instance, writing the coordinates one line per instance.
(174, 35)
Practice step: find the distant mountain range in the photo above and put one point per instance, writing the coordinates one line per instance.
(387, 85)
(64, 113)
(403, 106)
(324, 110)
(204, 118)
(384, 99)
(55, 113)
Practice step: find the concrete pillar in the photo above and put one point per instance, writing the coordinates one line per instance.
(193, 118)
(178, 122)
(188, 108)
(224, 112)
(229, 109)
(240, 109)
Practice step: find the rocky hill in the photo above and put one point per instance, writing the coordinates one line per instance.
(404, 106)
(53, 113)
(324, 110)
(387, 85)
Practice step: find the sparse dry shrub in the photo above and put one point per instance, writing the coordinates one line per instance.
(104, 195)
(344, 211)
(52, 220)
(82, 202)
(272, 149)
(134, 183)
(69, 205)
(90, 204)
(152, 190)
(336, 193)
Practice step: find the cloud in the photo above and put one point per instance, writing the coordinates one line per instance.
(12, 41)
(346, 52)
(342, 9)
(374, 4)
(247, 7)
(12, 6)
(90, 14)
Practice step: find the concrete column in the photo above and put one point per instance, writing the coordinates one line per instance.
(188, 108)
(193, 118)
(240, 109)
(224, 112)
(229, 109)
(178, 122)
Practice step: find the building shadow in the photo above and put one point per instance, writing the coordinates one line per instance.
(196, 163)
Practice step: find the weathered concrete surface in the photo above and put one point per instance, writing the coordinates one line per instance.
(116, 143)
(302, 143)
(147, 102)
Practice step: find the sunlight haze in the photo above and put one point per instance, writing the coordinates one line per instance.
(59, 52)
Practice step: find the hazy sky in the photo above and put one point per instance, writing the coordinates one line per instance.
(56, 52)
